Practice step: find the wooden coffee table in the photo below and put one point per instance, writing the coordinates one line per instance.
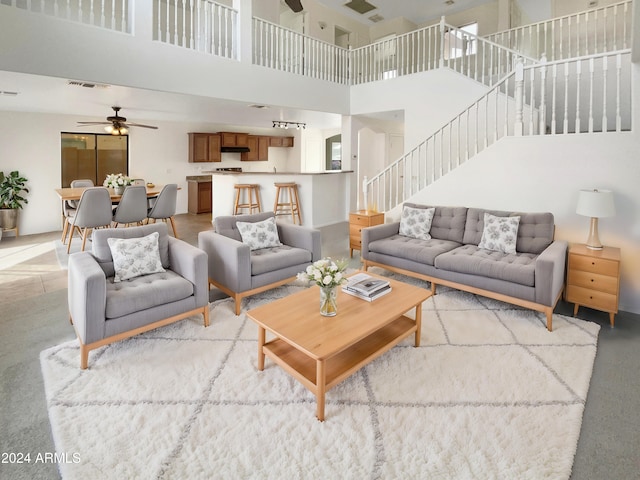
(323, 351)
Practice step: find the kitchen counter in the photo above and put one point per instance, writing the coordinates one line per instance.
(326, 172)
(199, 178)
(324, 196)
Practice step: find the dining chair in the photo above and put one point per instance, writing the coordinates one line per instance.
(132, 207)
(69, 207)
(136, 182)
(94, 211)
(165, 206)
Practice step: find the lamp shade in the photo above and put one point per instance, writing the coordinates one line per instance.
(596, 203)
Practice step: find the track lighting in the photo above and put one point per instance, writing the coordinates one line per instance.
(282, 124)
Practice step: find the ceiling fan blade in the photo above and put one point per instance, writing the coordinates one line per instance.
(94, 123)
(295, 5)
(140, 125)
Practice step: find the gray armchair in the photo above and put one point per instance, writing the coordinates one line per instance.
(240, 272)
(103, 311)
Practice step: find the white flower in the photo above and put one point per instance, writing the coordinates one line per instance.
(327, 279)
(325, 272)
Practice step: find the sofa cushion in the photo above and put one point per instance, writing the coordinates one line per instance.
(142, 293)
(470, 259)
(448, 222)
(416, 222)
(499, 233)
(535, 232)
(268, 260)
(421, 251)
(259, 235)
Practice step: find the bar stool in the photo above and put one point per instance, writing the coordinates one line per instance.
(251, 189)
(290, 204)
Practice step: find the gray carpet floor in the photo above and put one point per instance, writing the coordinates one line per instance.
(608, 445)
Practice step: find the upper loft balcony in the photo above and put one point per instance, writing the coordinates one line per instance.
(204, 48)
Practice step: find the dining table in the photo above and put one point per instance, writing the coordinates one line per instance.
(69, 193)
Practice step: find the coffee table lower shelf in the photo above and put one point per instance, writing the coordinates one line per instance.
(320, 375)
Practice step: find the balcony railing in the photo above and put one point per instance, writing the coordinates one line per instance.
(200, 25)
(283, 49)
(599, 30)
(109, 14)
(583, 95)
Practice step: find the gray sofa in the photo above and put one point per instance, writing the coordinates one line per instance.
(533, 277)
(104, 311)
(240, 272)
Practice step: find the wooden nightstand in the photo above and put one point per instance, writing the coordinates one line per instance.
(593, 278)
(359, 220)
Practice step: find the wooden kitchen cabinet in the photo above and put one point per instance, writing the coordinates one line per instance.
(234, 139)
(281, 141)
(258, 149)
(199, 197)
(359, 220)
(593, 279)
(204, 147)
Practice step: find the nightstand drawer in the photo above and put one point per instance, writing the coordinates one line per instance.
(594, 264)
(590, 298)
(366, 220)
(593, 281)
(355, 243)
(356, 230)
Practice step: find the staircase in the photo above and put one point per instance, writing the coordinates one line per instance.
(583, 88)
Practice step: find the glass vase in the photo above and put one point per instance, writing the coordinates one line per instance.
(119, 190)
(328, 301)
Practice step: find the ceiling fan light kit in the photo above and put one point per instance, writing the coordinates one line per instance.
(116, 125)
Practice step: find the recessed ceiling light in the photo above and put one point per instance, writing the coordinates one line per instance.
(7, 93)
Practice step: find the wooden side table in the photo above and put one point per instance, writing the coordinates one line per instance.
(593, 279)
(359, 220)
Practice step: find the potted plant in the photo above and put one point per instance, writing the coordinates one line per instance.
(12, 186)
(118, 182)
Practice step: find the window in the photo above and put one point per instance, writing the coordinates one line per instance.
(461, 41)
(92, 156)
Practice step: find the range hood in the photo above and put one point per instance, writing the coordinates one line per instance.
(234, 149)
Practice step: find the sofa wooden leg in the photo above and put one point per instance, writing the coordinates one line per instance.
(549, 313)
(433, 288)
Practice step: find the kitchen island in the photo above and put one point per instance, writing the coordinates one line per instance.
(324, 196)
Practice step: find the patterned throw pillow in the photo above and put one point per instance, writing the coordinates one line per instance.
(416, 222)
(134, 257)
(259, 235)
(499, 233)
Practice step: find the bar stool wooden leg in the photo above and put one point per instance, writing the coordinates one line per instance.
(297, 204)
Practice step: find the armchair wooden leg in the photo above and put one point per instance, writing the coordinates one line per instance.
(84, 356)
(238, 300)
(205, 313)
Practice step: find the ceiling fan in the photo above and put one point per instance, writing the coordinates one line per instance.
(295, 5)
(116, 125)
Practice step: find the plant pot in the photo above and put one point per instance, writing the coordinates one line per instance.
(119, 190)
(8, 218)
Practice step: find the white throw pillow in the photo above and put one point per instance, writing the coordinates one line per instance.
(259, 235)
(416, 222)
(133, 257)
(500, 233)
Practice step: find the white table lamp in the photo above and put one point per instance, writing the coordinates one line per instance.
(595, 204)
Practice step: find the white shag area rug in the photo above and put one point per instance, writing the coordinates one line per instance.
(490, 394)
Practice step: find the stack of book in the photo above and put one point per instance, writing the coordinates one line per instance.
(366, 287)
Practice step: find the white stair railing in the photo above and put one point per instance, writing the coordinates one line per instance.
(573, 96)
(200, 25)
(598, 30)
(430, 48)
(109, 14)
(289, 51)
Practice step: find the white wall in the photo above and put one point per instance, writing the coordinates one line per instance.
(429, 100)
